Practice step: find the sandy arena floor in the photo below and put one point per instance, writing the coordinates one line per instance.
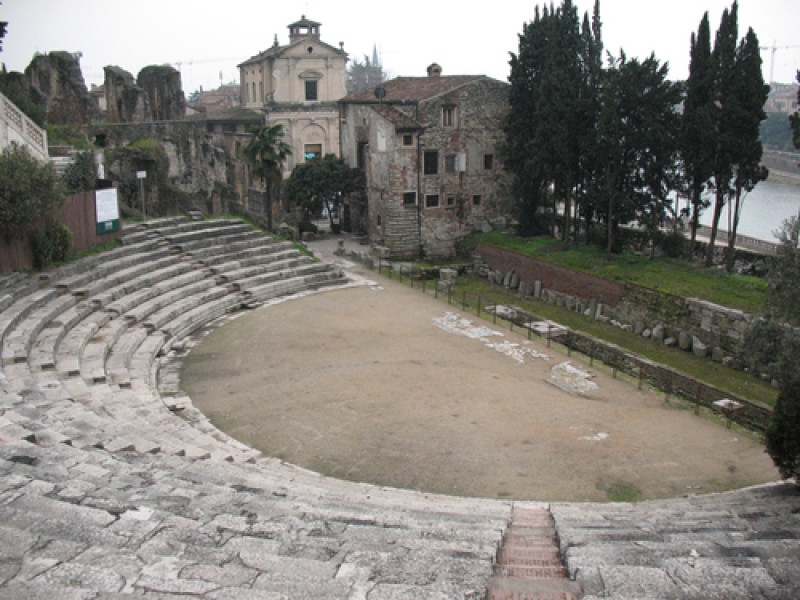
(363, 384)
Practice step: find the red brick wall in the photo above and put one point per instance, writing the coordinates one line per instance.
(554, 277)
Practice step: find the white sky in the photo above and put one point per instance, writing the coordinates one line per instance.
(209, 38)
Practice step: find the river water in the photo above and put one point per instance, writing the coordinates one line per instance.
(764, 210)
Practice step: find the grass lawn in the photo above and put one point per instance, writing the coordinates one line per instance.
(673, 276)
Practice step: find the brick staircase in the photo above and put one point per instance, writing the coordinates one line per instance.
(528, 564)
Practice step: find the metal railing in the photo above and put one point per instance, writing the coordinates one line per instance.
(669, 381)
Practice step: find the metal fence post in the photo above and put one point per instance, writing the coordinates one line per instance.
(697, 399)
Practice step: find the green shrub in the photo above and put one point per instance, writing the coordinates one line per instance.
(771, 350)
(783, 432)
(672, 243)
(51, 244)
(307, 226)
(81, 175)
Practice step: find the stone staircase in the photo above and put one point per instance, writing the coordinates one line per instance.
(528, 564)
(112, 485)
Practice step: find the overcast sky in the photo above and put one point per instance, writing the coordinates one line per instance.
(206, 40)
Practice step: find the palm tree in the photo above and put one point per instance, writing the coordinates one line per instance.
(265, 152)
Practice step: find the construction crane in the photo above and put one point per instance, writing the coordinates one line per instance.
(180, 63)
(774, 48)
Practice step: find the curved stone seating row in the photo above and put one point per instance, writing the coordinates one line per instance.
(107, 492)
(738, 545)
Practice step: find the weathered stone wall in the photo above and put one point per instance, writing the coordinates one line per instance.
(391, 170)
(472, 189)
(702, 327)
(125, 101)
(58, 80)
(198, 161)
(472, 198)
(164, 90)
(156, 95)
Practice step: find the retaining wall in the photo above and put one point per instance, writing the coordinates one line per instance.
(710, 329)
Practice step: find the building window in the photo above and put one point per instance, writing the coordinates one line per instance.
(488, 161)
(431, 162)
(448, 116)
(450, 163)
(409, 198)
(432, 201)
(451, 201)
(254, 92)
(361, 156)
(476, 200)
(311, 89)
(261, 91)
(312, 151)
(408, 139)
(378, 221)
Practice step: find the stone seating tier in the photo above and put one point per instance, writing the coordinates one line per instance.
(113, 488)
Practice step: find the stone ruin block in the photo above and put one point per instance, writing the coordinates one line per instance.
(448, 275)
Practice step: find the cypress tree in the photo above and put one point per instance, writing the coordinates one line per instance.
(751, 93)
(547, 117)
(697, 126)
(724, 63)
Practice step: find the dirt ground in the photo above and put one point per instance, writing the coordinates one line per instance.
(361, 384)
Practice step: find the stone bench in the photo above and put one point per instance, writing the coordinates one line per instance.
(249, 258)
(250, 272)
(145, 275)
(171, 310)
(119, 357)
(95, 351)
(193, 245)
(164, 296)
(219, 231)
(43, 352)
(304, 279)
(20, 339)
(221, 252)
(129, 302)
(101, 271)
(20, 309)
(184, 323)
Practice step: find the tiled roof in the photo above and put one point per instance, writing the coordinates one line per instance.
(394, 116)
(278, 50)
(412, 88)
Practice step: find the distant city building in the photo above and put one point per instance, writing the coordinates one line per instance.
(782, 99)
(224, 97)
(297, 85)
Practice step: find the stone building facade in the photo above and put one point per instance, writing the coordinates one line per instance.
(430, 149)
(297, 85)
